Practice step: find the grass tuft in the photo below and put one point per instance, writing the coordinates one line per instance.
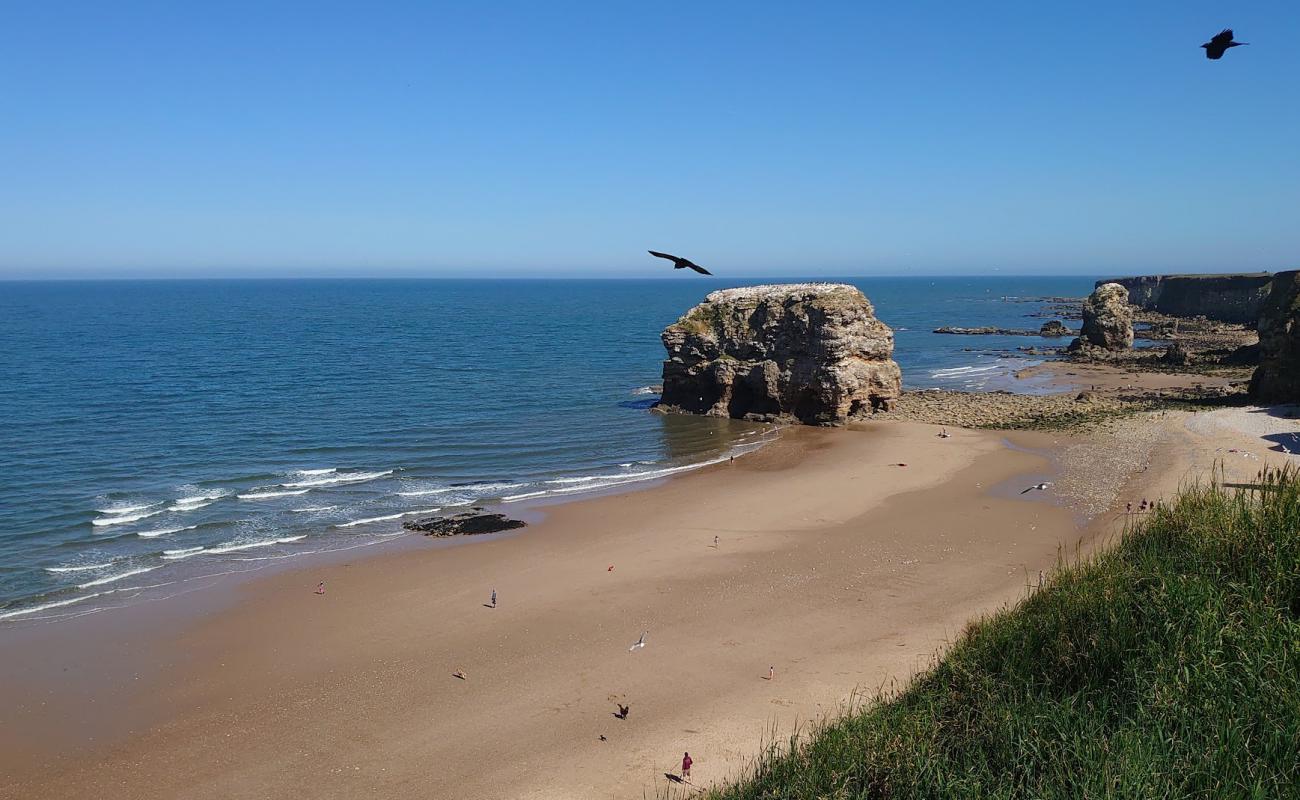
(1166, 666)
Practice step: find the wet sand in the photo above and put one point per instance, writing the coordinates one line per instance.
(839, 568)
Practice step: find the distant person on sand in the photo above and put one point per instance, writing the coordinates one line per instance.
(715, 542)
(771, 673)
(494, 598)
(320, 588)
(686, 765)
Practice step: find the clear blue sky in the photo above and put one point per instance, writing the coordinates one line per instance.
(320, 138)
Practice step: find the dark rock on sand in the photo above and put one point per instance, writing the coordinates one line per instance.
(812, 352)
(1176, 355)
(468, 523)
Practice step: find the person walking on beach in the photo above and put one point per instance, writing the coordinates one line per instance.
(715, 542)
(771, 673)
(320, 588)
(494, 598)
(686, 766)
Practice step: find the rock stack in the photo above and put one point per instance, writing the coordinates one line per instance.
(1277, 378)
(812, 352)
(1107, 321)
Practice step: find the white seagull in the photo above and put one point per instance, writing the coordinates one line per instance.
(639, 642)
(1039, 486)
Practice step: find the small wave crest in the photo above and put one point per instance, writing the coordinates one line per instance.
(234, 547)
(114, 578)
(120, 509)
(338, 479)
(267, 495)
(385, 518)
(79, 567)
(183, 552)
(124, 519)
(165, 531)
(45, 606)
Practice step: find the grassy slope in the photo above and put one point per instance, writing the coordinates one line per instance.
(1168, 666)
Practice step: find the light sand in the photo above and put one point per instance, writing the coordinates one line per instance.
(835, 566)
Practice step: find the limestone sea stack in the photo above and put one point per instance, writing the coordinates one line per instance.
(812, 352)
(1107, 320)
(1277, 378)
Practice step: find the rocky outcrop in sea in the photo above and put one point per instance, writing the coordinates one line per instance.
(1107, 321)
(811, 352)
(1277, 378)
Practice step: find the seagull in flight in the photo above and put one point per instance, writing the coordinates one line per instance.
(681, 263)
(1039, 486)
(639, 643)
(1216, 47)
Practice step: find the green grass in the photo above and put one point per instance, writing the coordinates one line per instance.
(1168, 666)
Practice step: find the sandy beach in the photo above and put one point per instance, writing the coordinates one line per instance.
(835, 565)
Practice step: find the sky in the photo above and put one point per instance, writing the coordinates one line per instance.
(277, 139)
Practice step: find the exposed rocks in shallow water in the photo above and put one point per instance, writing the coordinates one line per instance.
(467, 523)
(1277, 378)
(986, 330)
(1054, 328)
(1107, 321)
(813, 352)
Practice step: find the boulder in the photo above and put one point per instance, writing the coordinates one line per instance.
(1277, 378)
(467, 523)
(811, 352)
(1054, 328)
(1107, 320)
(1176, 355)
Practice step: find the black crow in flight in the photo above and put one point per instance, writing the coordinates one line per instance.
(681, 263)
(1216, 47)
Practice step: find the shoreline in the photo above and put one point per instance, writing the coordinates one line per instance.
(812, 525)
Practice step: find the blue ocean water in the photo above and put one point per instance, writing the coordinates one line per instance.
(158, 430)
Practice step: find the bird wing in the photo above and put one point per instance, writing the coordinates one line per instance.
(673, 259)
(699, 269)
(1027, 491)
(1222, 37)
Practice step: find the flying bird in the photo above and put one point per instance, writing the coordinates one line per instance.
(1216, 47)
(1039, 486)
(639, 642)
(683, 263)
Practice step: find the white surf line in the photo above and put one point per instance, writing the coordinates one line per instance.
(385, 518)
(80, 568)
(269, 495)
(113, 578)
(125, 519)
(165, 531)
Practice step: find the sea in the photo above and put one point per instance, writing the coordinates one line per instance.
(157, 432)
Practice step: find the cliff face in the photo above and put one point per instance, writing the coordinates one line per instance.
(1227, 298)
(1107, 320)
(812, 352)
(1277, 378)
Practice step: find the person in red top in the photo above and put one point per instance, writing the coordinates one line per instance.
(686, 765)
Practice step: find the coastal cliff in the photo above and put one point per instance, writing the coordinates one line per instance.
(812, 352)
(1277, 378)
(1226, 298)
